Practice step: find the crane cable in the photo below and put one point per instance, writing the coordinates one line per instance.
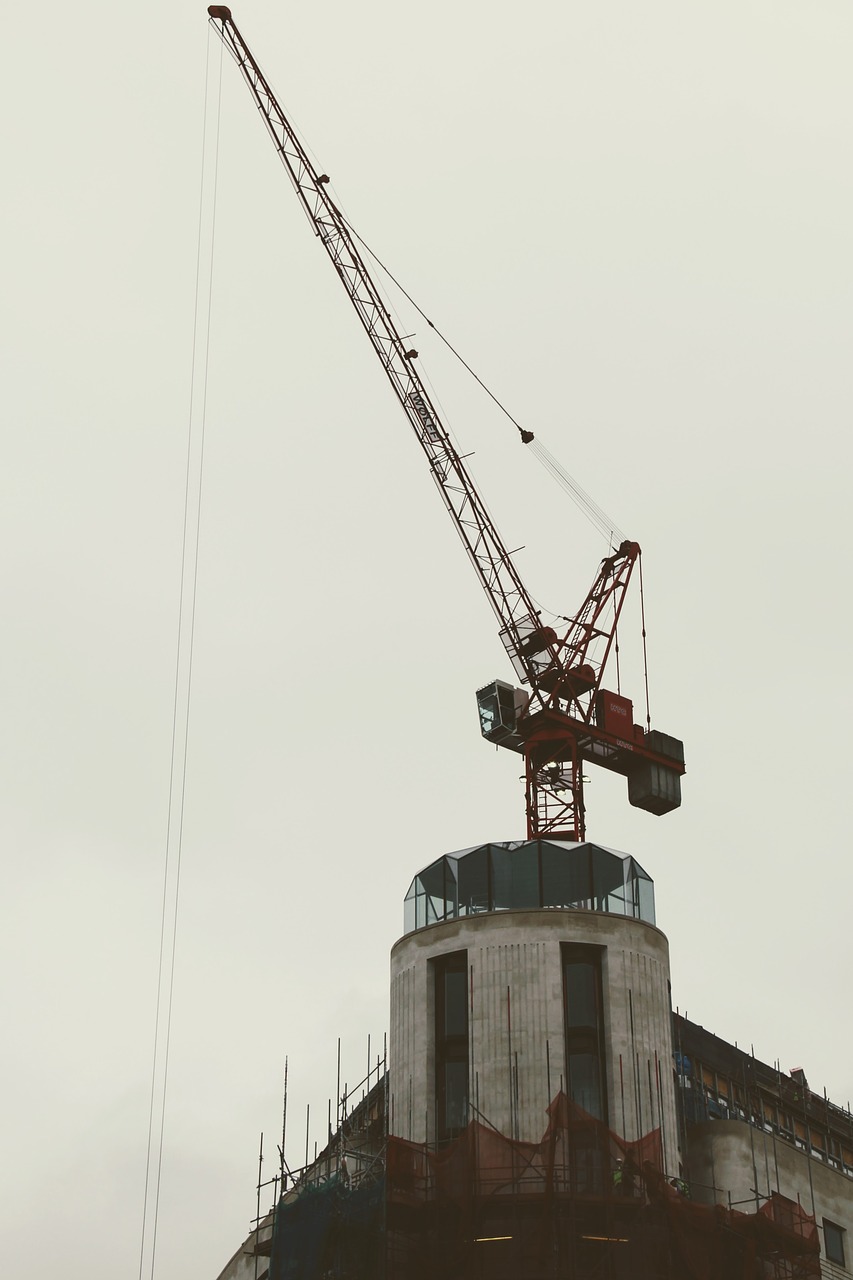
(645, 650)
(178, 775)
(590, 509)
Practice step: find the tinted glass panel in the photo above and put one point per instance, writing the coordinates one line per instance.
(584, 1028)
(647, 898)
(473, 881)
(515, 877)
(607, 878)
(581, 995)
(420, 903)
(585, 1082)
(833, 1242)
(432, 882)
(487, 706)
(451, 1043)
(565, 877)
(455, 1095)
(451, 894)
(456, 1003)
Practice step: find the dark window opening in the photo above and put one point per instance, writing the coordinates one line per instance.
(451, 1044)
(584, 1022)
(833, 1242)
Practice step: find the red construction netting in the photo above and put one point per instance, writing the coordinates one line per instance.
(580, 1169)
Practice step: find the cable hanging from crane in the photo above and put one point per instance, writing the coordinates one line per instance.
(596, 515)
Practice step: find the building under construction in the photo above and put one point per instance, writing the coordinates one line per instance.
(541, 1112)
(538, 1112)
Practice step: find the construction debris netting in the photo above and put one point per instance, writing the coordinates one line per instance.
(579, 1203)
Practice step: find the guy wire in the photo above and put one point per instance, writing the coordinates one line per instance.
(166, 905)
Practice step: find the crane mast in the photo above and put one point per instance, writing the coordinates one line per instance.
(563, 720)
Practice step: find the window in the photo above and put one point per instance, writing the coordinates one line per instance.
(451, 1044)
(833, 1242)
(520, 875)
(584, 1023)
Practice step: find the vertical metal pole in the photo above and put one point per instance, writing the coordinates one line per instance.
(284, 1130)
(681, 1103)
(469, 1024)
(635, 1069)
(307, 1123)
(664, 1152)
(778, 1115)
(509, 1062)
(622, 1092)
(338, 1093)
(258, 1207)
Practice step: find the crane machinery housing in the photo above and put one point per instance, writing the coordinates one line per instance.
(566, 717)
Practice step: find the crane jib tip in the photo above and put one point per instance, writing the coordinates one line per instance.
(219, 11)
(527, 436)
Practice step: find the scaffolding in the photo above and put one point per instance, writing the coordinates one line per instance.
(580, 1203)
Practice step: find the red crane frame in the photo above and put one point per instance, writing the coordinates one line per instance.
(561, 725)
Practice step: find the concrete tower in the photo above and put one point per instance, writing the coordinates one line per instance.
(529, 969)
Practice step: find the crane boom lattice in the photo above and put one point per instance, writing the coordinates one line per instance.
(567, 717)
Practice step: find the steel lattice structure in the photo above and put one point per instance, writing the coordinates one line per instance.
(558, 726)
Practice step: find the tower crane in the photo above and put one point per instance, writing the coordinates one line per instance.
(565, 717)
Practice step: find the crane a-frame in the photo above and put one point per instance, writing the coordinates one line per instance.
(567, 718)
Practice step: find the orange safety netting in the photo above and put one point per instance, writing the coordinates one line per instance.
(578, 1192)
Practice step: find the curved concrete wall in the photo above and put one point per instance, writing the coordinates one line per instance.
(516, 1021)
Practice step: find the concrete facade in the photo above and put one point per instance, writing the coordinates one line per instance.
(730, 1158)
(516, 1021)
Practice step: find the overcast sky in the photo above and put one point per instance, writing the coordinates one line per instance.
(634, 221)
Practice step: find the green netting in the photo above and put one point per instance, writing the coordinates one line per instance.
(330, 1230)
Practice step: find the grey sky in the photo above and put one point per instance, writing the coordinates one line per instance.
(634, 222)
